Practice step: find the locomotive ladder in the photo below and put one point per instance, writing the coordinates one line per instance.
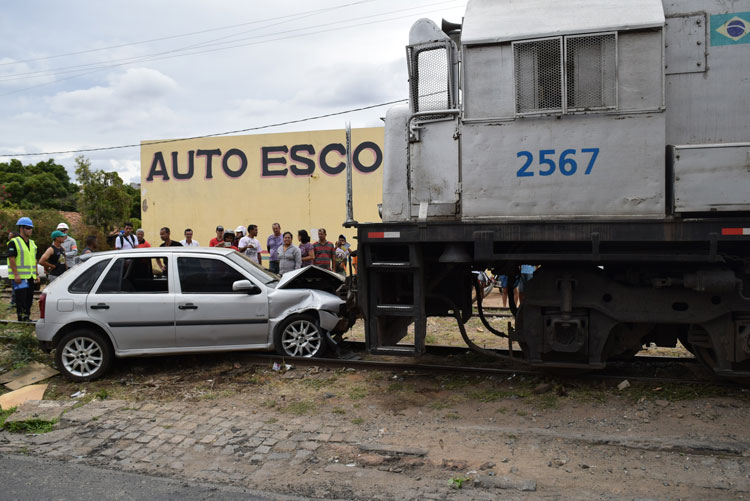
(395, 299)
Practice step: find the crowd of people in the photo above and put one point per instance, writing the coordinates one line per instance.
(284, 255)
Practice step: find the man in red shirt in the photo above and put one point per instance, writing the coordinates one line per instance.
(324, 251)
(141, 236)
(219, 237)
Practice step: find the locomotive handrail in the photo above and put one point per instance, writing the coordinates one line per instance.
(414, 128)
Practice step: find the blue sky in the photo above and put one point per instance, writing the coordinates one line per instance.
(291, 60)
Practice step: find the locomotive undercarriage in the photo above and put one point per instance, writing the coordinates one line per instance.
(585, 316)
(600, 292)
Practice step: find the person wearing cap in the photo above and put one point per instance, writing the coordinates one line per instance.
(219, 237)
(239, 234)
(53, 258)
(69, 245)
(188, 240)
(22, 267)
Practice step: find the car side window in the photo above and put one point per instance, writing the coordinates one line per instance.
(135, 276)
(87, 279)
(206, 276)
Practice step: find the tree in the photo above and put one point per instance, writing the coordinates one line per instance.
(135, 205)
(45, 185)
(103, 199)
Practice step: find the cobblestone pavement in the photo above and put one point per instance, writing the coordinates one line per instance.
(317, 456)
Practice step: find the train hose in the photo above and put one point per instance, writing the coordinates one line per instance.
(474, 347)
(478, 288)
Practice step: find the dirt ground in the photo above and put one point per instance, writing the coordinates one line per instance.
(573, 438)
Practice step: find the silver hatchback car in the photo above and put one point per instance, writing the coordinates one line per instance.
(170, 300)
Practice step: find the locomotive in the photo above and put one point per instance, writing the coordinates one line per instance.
(606, 143)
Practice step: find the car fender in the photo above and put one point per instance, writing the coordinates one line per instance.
(286, 302)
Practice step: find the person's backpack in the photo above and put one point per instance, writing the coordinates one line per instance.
(130, 240)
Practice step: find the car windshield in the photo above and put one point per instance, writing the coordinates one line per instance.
(253, 267)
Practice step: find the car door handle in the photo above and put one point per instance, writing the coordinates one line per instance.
(189, 306)
(100, 306)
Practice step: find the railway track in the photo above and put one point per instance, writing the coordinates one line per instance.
(462, 360)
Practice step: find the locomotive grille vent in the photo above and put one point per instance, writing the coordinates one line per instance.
(591, 72)
(580, 77)
(538, 76)
(429, 74)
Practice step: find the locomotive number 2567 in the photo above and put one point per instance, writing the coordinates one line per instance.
(566, 163)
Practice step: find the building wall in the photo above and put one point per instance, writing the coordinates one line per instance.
(297, 179)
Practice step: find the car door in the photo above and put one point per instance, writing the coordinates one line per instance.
(209, 313)
(135, 300)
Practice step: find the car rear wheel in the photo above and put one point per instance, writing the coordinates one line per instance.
(83, 355)
(300, 336)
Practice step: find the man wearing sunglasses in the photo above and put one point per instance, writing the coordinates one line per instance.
(22, 268)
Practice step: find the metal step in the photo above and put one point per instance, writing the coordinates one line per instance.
(396, 265)
(396, 310)
(403, 351)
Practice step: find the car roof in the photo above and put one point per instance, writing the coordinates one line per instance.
(221, 251)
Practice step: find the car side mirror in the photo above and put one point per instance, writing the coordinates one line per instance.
(246, 286)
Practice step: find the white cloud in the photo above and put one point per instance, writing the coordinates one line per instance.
(129, 170)
(133, 96)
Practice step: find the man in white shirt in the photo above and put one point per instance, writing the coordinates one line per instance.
(188, 240)
(126, 239)
(251, 245)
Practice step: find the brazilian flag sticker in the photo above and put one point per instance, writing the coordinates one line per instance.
(730, 29)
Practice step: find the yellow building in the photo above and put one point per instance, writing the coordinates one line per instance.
(297, 179)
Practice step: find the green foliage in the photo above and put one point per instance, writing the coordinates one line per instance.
(4, 413)
(135, 204)
(23, 347)
(45, 222)
(104, 200)
(458, 482)
(36, 426)
(299, 408)
(44, 185)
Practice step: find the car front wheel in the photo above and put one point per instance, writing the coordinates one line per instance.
(83, 355)
(300, 336)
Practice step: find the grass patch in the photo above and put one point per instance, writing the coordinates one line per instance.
(358, 421)
(546, 401)
(490, 395)
(338, 411)
(455, 382)
(319, 383)
(23, 347)
(102, 394)
(299, 408)
(4, 413)
(272, 420)
(30, 426)
(396, 388)
(458, 482)
(357, 393)
(452, 416)
(439, 405)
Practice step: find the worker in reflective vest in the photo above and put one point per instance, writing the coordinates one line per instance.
(22, 268)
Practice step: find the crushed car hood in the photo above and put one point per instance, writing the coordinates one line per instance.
(311, 277)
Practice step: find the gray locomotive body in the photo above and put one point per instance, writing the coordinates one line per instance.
(607, 143)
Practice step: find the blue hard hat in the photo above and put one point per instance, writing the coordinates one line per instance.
(25, 221)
